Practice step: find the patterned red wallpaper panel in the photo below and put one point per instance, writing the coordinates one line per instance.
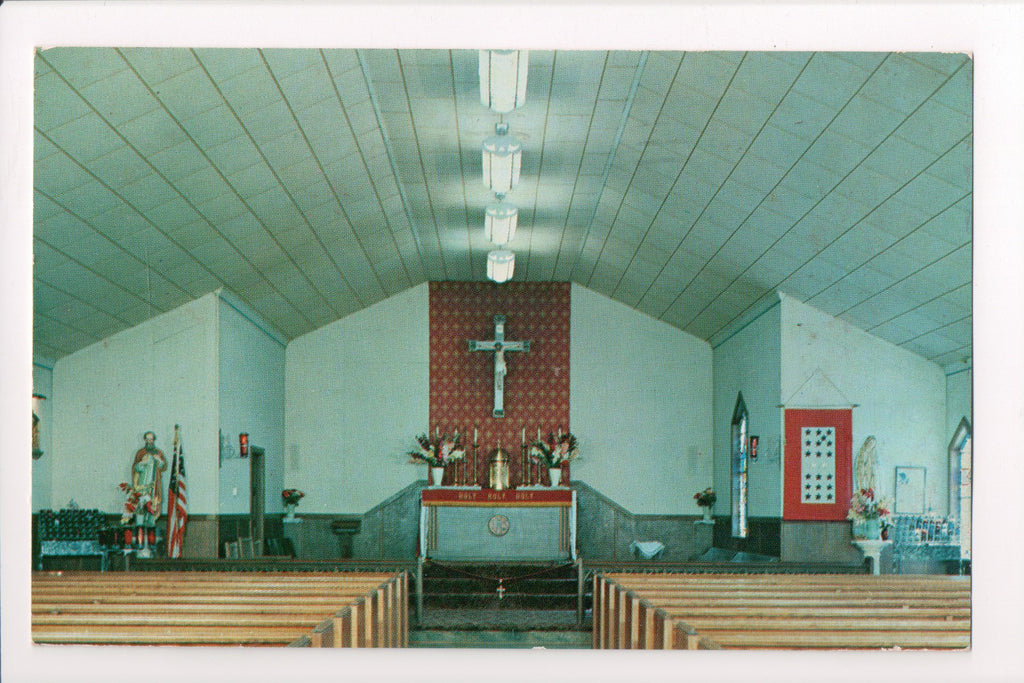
(462, 381)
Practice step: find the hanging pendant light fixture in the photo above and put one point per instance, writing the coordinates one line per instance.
(500, 265)
(500, 221)
(502, 157)
(503, 79)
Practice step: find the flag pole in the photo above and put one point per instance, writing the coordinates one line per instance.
(171, 487)
(176, 512)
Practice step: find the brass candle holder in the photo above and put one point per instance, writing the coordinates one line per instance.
(475, 474)
(523, 478)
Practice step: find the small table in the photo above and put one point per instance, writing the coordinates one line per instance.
(872, 549)
(79, 548)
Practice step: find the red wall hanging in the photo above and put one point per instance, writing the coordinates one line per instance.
(536, 387)
(817, 464)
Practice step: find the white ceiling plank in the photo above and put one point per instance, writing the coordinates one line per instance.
(687, 217)
(83, 68)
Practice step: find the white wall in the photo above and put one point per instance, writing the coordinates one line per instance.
(150, 377)
(750, 362)
(251, 395)
(639, 404)
(42, 384)
(901, 397)
(356, 394)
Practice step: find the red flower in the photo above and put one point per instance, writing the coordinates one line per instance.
(292, 496)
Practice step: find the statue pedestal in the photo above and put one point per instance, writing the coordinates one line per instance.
(872, 549)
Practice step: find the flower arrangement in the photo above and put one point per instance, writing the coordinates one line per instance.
(438, 451)
(556, 450)
(864, 505)
(705, 498)
(136, 499)
(292, 496)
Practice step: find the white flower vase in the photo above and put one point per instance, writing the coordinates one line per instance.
(555, 473)
(868, 529)
(289, 511)
(145, 550)
(436, 475)
(706, 511)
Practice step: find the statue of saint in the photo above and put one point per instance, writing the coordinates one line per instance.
(148, 464)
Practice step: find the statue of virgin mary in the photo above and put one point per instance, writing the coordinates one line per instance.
(864, 466)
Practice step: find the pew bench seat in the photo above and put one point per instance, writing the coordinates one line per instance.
(211, 608)
(781, 612)
(113, 634)
(826, 638)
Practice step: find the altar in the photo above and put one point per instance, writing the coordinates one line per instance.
(483, 525)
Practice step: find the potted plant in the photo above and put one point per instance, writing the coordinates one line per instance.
(438, 452)
(554, 453)
(868, 514)
(291, 498)
(706, 500)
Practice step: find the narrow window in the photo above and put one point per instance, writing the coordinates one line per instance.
(960, 484)
(739, 469)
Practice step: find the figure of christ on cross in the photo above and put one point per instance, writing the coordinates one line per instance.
(499, 346)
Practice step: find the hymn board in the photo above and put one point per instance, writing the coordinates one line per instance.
(499, 346)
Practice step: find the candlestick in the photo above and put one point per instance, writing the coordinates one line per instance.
(522, 477)
(460, 467)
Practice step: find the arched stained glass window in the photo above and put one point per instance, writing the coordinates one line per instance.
(739, 468)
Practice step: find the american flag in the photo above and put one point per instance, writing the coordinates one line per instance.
(177, 508)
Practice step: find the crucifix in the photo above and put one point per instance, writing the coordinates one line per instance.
(499, 346)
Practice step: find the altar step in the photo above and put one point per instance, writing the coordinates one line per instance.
(515, 596)
(524, 587)
(536, 609)
(490, 601)
(501, 628)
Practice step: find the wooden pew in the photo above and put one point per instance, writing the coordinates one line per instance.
(378, 619)
(217, 608)
(780, 611)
